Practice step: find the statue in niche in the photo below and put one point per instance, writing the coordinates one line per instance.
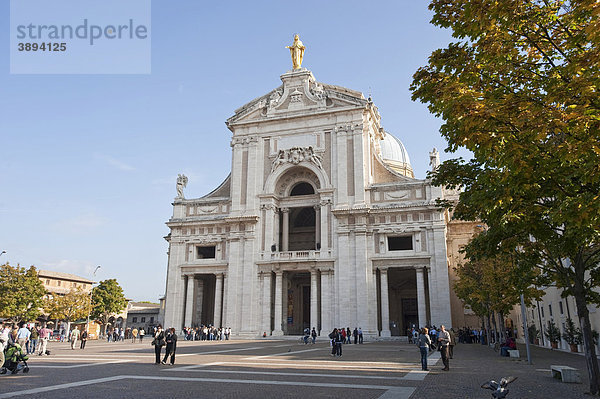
(297, 52)
(434, 159)
(182, 181)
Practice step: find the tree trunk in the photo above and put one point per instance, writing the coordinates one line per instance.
(588, 342)
(502, 327)
(489, 330)
(68, 330)
(495, 321)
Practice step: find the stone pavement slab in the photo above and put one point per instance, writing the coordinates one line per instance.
(474, 364)
(280, 368)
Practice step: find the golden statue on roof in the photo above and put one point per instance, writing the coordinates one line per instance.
(297, 52)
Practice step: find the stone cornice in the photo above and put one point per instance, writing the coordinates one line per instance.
(242, 219)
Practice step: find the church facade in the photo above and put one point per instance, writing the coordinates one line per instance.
(320, 223)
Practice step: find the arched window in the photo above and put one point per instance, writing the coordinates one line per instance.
(302, 189)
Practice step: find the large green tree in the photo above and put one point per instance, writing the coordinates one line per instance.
(21, 293)
(107, 299)
(69, 307)
(519, 89)
(493, 285)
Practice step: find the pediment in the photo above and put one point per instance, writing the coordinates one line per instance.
(300, 93)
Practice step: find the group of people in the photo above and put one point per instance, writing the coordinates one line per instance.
(340, 336)
(167, 339)
(468, 335)
(31, 339)
(77, 335)
(430, 339)
(206, 333)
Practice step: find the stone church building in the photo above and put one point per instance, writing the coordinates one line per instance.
(320, 223)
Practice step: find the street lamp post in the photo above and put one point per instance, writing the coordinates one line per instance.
(87, 326)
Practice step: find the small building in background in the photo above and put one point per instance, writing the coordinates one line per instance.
(142, 314)
(60, 283)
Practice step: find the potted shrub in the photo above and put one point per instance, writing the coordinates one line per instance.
(573, 335)
(553, 334)
(534, 334)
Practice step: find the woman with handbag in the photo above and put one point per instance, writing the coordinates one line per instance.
(171, 340)
(158, 342)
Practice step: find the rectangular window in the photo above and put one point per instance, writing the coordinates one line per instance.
(135, 319)
(47, 282)
(402, 243)
(543, 311)
(550, 310)
(143, 319)
(152, 320)
(560, 307)
(206, 252)
(58, 283)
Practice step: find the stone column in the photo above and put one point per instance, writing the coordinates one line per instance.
(218, 298)
(189, 301)
(317, 209)
(276, 230)
(278, 303)
(286, 229)
(266, 316)
(314, 301)
(225, 320)
(326, 302)
(324, 227)
(199, 307)
(385, 304)
(421, 304)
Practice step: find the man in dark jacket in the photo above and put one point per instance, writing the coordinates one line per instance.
(171, 340)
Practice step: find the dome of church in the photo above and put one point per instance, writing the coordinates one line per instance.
(395, 156)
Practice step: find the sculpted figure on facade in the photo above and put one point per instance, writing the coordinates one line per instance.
(434, 159)
(182, 181)
(274, 98)
(295, 155)
(317, 91)
(314, 158)
(297, 52)
(280, 160)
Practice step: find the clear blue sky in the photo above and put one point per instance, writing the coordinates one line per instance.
(88, 163)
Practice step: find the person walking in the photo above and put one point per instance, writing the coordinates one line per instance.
(4, 332)
(313, 335)
(339, 340)
(45, 334)
(158, 342)
(23, 335)
(444, 341)
(74, 337)
(452, 343)
(141, 333)
(134, 334)
(33, 340)
(171, 341)
(424, 342)
(84, 337)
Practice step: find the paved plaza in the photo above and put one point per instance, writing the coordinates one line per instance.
(282, 368)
